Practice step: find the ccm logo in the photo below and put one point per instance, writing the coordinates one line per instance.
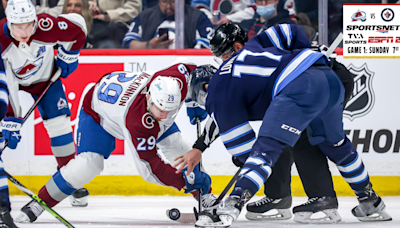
(291, 129)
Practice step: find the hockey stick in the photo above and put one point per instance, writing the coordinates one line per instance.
(198, 124)
(52, 80)
(21, 187)
(334, 45)
(176, 215)
(38, 200)
(228, 186)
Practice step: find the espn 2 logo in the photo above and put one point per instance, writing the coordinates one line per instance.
(291, 129)
(383, 39)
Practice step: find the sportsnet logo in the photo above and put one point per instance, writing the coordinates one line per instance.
(362, 100)
(359, 16)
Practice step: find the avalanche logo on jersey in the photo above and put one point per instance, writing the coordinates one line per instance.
(29, 69)
(45, 24)
(62, 103)
(148, 120)
(362, 100)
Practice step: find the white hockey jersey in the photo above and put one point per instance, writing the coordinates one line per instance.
(29, 66)
(118, 103)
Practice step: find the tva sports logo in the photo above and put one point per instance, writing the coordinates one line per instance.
(362, 100)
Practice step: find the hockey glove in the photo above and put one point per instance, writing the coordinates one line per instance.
(194, 112)
(196, 180)
(10, 129)
(67, 61)
(236, 161)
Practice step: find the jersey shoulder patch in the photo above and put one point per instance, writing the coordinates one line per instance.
(45, 22)
(74, 18)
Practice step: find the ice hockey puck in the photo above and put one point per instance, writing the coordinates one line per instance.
(174, 214)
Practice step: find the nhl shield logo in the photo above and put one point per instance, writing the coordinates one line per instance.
(362, 100)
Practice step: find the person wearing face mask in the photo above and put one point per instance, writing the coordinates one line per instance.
(267, 15)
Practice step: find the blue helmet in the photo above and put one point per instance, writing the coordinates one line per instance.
(200, 76)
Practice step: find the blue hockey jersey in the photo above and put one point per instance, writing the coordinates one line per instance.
(246, 83)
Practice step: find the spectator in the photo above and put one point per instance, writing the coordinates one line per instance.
(116, 11)
(335, 15)
(310, 8)
(111, 21)
(203, 6)
(52, 7)
(302, 19)
(80, 7)
(144, 30)
(266, 16)
(242, 11)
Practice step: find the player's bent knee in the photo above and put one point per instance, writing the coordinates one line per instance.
(58, 126)
(82, 169)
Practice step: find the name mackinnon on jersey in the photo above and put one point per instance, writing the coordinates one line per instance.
(362, 100)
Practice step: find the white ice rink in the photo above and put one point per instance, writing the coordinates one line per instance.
(149, 212)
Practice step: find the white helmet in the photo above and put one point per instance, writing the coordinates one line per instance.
(20, 11)
(165, 93)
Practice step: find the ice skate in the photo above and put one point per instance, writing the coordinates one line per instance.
(371, 208)
(208, 201)
(6, 220)
(30, 212)
(226, 213)
(325, 204)
(256, 210)
(79, 198)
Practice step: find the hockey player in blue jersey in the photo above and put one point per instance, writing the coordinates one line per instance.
(9, 131)
(275, 78)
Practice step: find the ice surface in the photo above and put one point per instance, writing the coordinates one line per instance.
(150, 212)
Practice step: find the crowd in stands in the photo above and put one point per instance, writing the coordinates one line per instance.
(150, 24)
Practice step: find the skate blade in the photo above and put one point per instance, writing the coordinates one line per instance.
(78, 202)
(226, 221)
(22, 218)
(282, 214)
(382, 216)
(332, 216)
(184, 218)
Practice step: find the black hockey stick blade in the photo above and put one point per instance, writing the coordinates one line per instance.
(38, 200)
(196, 214)
(228, 186)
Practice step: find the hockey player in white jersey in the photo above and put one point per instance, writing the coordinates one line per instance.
(140, 109)
(27, 42)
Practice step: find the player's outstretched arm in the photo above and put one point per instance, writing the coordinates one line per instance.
(190, 159)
